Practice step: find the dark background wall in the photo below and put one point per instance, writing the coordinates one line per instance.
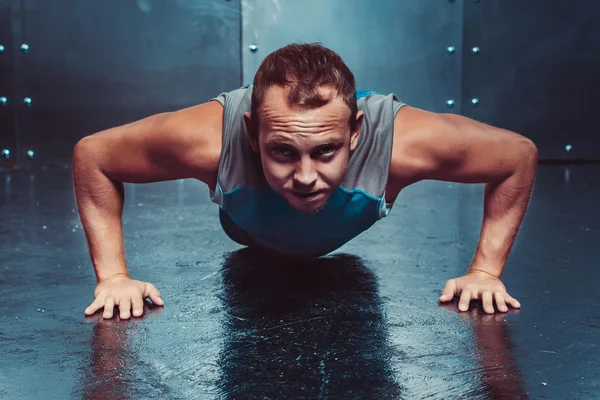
(93, 65)
(537, 72)
(96, 64)
(390, 45)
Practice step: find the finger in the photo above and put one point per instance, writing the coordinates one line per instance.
(500, 303)
(449, 291)
(97, 304)
(488, 303)
(465, 299)
(154, 295)
(125, 307)
(512, 301)
(137, 303)
(109, 306)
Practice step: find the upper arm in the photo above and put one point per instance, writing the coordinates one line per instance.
(166, 146)
(454, 148)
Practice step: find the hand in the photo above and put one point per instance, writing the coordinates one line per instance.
(125, 293)
(478, 285)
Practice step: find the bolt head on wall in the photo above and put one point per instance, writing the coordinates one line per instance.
(475, 101)
(451, 49)
(27, 101)
(30, 154)
(450, 103)
(476, 50)
(568, 148)
(6, 153)
(253, 48)
(1, 49)
(25, 48)
(3, 101)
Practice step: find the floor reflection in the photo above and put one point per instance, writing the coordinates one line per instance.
(109, 372)
(107, 376)
(309, 329)
(305, 329)
(498, 368)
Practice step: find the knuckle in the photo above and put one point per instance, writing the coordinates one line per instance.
(100, 297)
(470, 287)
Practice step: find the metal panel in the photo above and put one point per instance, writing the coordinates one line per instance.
(8, 137)
(537, 71)
(93, 65)
(391, 46)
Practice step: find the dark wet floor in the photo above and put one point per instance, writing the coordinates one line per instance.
(364, 323)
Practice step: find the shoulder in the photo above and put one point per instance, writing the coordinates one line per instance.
(198, 129)
(415, 131)
(235, 99)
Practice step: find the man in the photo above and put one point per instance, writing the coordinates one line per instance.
(299, 164)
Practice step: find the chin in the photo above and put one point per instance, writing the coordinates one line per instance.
(311, 210)
(308, 208)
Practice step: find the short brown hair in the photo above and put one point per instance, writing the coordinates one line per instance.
(304, 68)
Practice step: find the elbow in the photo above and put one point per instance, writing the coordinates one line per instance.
(86, 146)
(528, 157)
(79, 151)
(81, 145)
(530, 151)
(85, 153)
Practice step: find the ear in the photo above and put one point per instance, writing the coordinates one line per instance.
(356, 133)
(252, 131)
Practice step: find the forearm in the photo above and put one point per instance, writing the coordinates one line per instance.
(505, 204)
(100, 205)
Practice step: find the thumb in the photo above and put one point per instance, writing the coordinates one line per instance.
(449, 291)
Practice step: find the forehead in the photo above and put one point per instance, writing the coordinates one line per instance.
(276, 111)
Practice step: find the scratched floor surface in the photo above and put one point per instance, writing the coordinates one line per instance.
(364, 323)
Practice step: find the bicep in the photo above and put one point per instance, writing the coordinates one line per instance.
(166, 146)
(453, 148)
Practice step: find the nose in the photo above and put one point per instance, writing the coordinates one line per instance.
(305, 175)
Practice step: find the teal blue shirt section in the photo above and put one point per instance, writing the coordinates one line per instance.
(274, 224)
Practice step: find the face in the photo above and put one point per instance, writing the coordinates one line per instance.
(304, 152)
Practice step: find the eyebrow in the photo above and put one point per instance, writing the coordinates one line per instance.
(288, 142)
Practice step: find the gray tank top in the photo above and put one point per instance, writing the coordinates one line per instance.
(253, 206)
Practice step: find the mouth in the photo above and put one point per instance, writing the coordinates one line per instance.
(310, 196)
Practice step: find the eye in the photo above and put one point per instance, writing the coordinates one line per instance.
(326, 150)
(282, 150)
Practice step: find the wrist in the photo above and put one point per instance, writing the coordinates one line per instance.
(493, 274)
(123, 275)
(489, 265)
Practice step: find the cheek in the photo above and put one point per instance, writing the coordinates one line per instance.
(276, 173)
(334, 171)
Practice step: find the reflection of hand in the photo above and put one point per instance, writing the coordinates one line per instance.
(477, 285)
(125, 293)
(494, 351)
(475, 316)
